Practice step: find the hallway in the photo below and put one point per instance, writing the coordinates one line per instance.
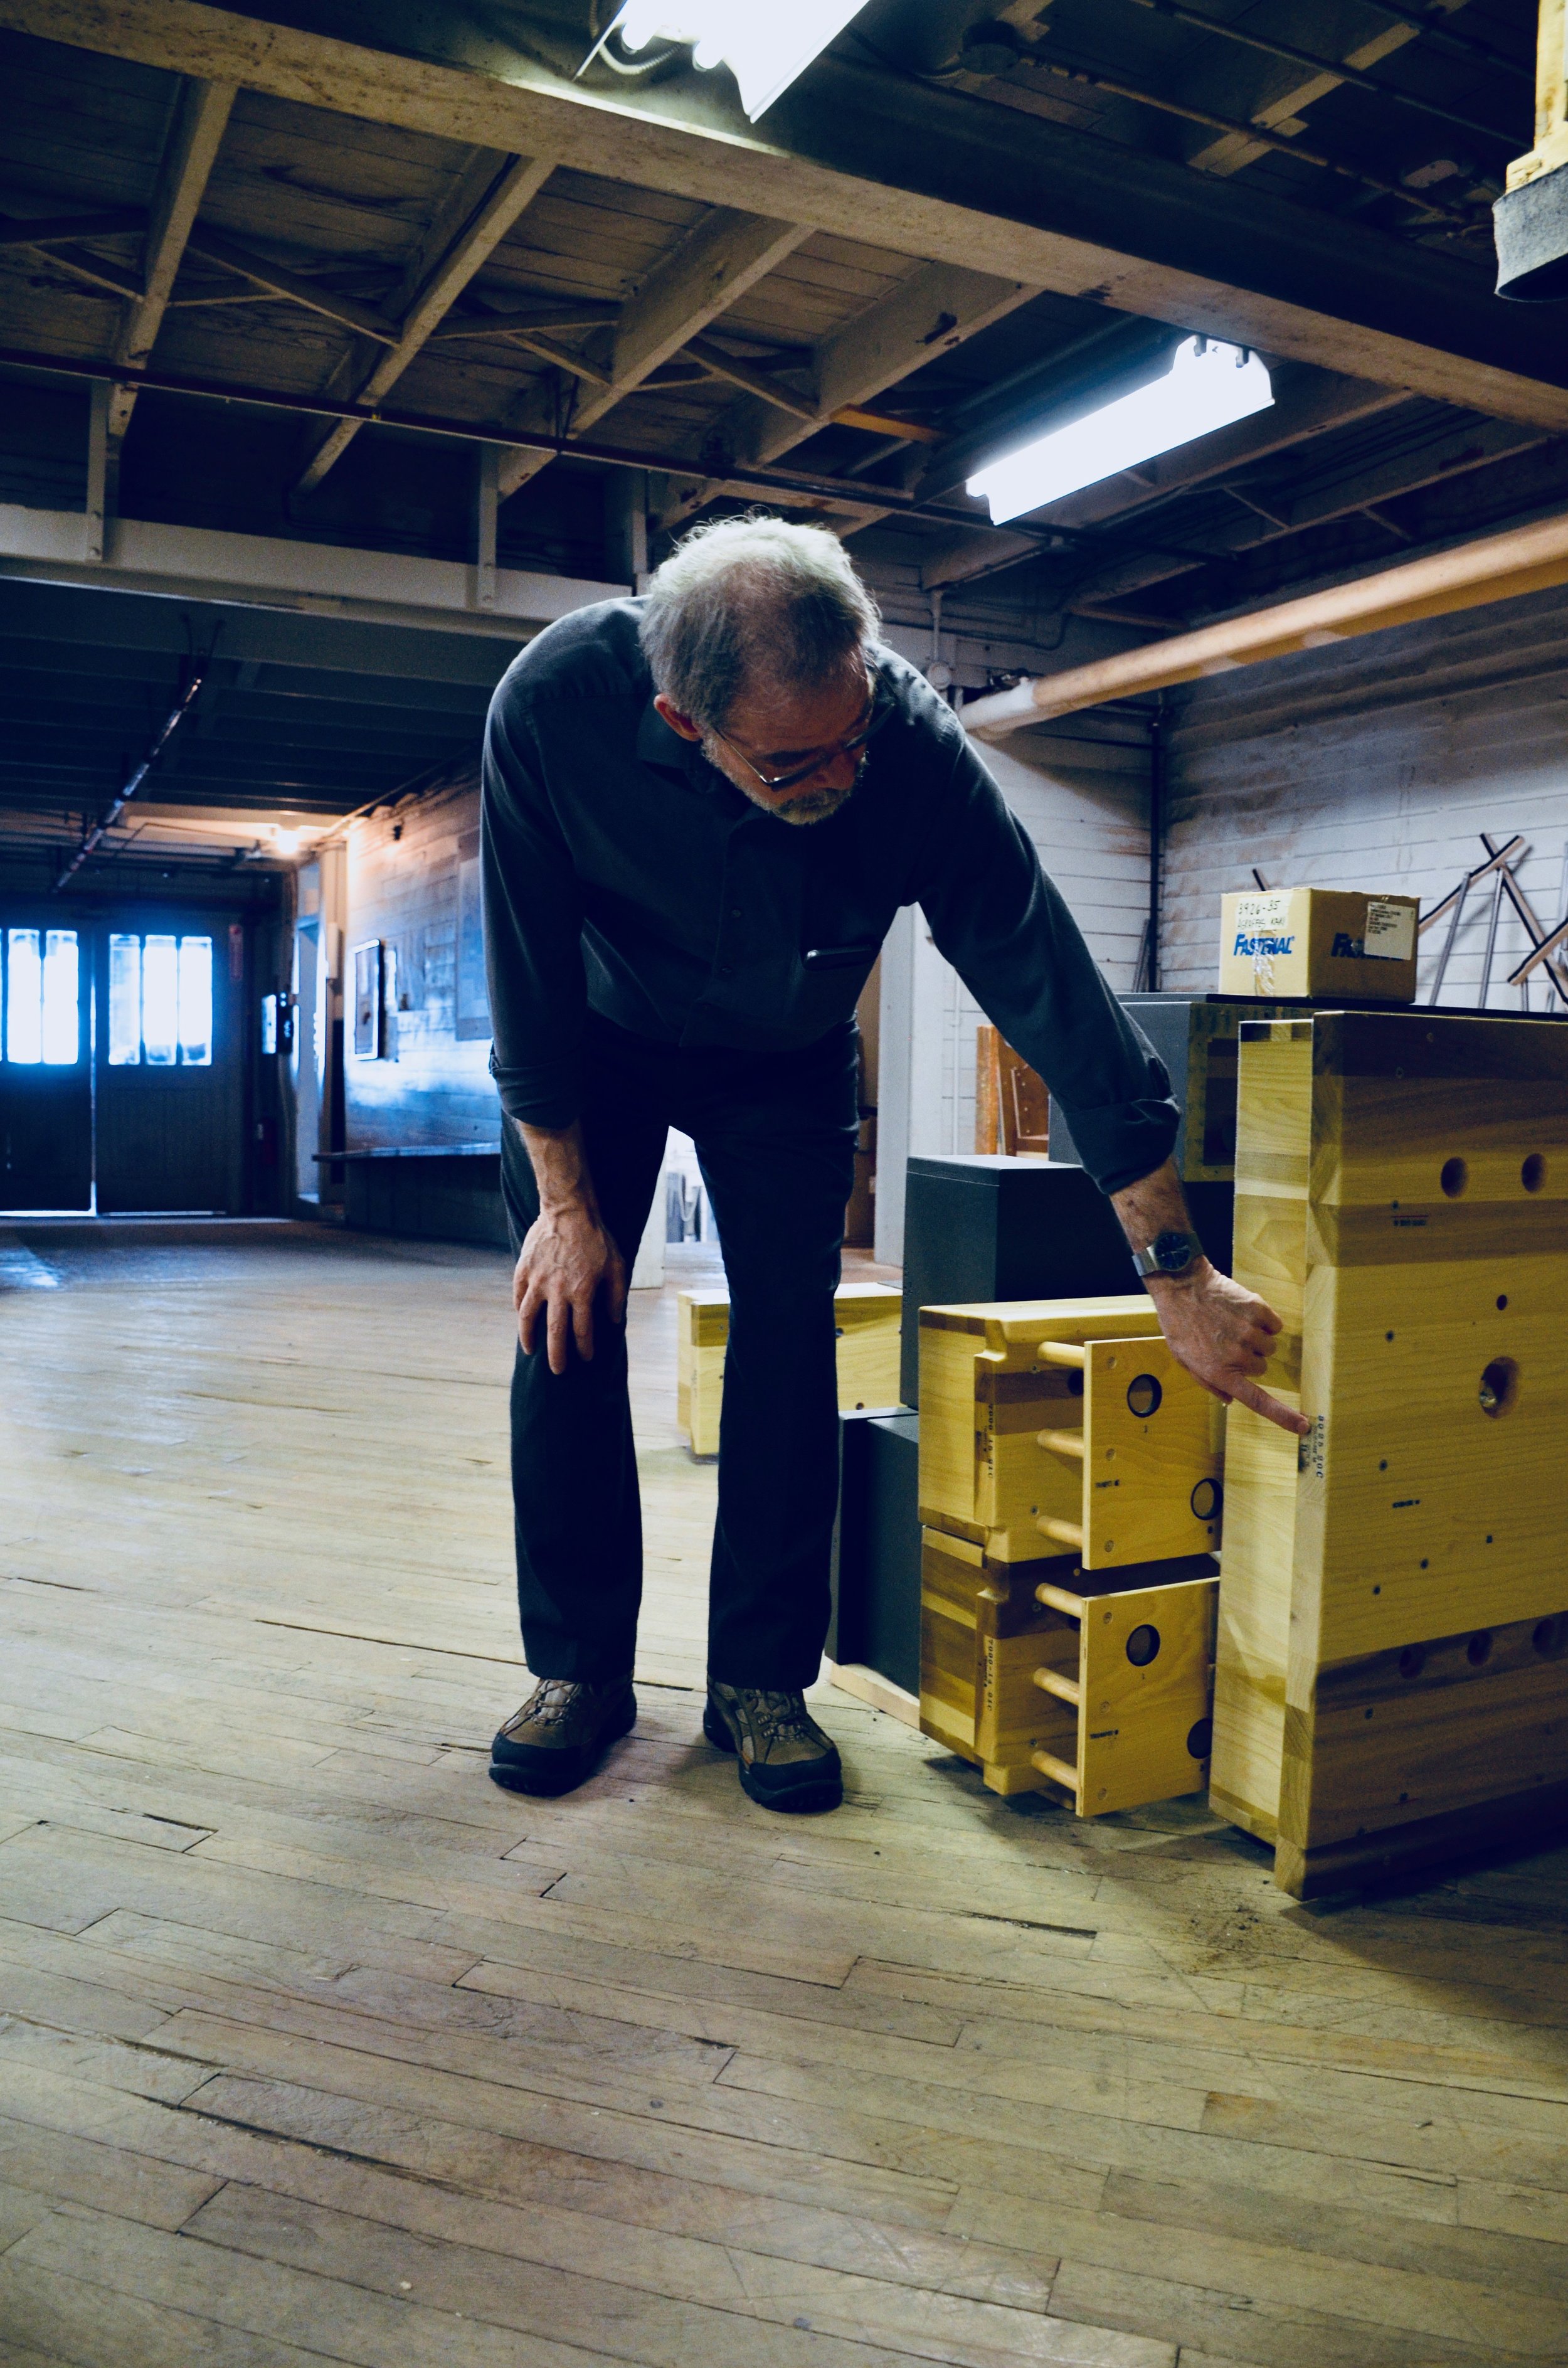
(314, 2045)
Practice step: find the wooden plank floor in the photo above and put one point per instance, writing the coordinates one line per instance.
(315, 2046)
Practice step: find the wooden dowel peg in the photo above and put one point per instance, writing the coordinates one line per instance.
(1051, 1681)
(1061, 1443)
(1068, 1534)
(1062, 1352)
(1059, 1600)
(1057, 1770)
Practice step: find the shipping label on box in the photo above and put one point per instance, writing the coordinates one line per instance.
(1317, 943)
(1260, 934)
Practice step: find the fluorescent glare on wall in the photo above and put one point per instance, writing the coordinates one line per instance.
(765, 44)
(1207, 386)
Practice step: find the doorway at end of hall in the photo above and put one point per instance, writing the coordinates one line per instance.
(122, 1046)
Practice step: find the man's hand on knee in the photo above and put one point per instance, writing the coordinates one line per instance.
(568, 1255)
(567, 1260)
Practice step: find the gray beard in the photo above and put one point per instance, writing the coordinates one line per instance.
(813, 806)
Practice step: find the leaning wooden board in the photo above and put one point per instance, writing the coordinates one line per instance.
(1391, 1685)
(866, 1317)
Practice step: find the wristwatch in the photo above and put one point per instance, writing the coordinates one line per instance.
(1171, 1253)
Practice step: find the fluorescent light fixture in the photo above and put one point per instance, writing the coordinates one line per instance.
(1207, 386)
(765, 44)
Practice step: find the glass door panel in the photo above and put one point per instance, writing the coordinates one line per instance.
(46, 1103)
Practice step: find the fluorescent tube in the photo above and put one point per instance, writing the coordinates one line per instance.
(1207, 386)
(765, 44)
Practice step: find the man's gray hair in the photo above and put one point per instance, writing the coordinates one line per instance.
(753, 601)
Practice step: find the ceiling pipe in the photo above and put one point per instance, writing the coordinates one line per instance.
(1497, 567)
(171, 723)
(803, 485)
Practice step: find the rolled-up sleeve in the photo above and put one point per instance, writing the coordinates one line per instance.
(1010, 936)
(533, 927)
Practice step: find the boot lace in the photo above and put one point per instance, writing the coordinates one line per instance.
(778, 1718)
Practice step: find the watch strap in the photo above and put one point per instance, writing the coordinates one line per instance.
(1170, 1253)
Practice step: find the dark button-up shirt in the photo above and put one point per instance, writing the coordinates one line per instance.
(624, 874)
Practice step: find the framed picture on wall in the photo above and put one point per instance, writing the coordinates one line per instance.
(368, 1000)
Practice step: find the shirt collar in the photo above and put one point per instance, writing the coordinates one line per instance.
(658, 744)
(665, 749)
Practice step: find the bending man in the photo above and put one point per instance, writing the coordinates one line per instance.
(702, 809)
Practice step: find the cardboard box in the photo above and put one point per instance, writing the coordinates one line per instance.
(1319, 942)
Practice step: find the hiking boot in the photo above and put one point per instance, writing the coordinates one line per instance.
(563, 1731)
(786, 1760)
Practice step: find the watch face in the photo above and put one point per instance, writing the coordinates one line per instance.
(1173, 1253)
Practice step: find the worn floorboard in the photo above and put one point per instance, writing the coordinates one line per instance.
(315, 2046)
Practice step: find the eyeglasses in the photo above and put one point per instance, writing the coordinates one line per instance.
(881, 706)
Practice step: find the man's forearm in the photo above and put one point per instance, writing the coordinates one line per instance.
(1154, 1205)
(560, 1163)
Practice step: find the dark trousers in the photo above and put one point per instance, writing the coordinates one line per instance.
(774, 1136)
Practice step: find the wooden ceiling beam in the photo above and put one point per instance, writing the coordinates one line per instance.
(94, 270)
(933, 174)
(1276, 94)
(488, 199)
(201, 120)
(928, 314)
(1477, 444)
(540, 320)
(279, 281)
(59, 230)
(717, 261)
(719, 364)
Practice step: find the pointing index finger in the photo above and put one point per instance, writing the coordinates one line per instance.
(1272, 1410)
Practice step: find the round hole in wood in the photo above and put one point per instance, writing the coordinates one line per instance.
(1532, 1175)
(1412, 1660)
(1501, 1301)
(1455, 1176)
(1074, 1385)
(1143, 1644)
(1200, 1739)
(1204, 1500)
(1143, 1396)
(1499, 1388)
(1479, 1648)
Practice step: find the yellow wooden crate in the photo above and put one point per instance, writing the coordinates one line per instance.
(866, 1317)
(1387, 1688)
(1065, 1426)
(1047, 1679)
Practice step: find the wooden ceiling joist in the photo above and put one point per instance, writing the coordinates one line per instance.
(715, 264)
(920, 171)
(488, 199)
(195, 137)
